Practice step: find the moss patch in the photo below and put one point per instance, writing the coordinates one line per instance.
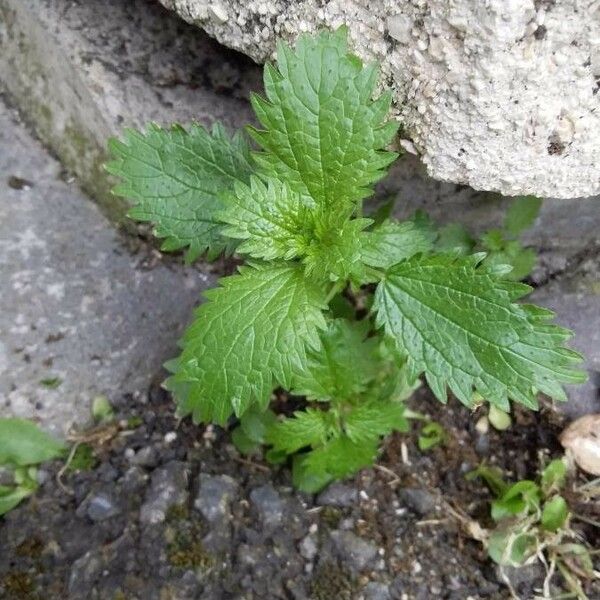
(333, 581)
(19, 586)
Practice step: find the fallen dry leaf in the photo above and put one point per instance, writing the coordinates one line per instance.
(582, 439)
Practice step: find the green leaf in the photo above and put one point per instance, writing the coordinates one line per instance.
(273, 221)
(306, 480)
(336, 253)
(522, 497)
(384, 211)
(369, 420)
(262, 319)
(554, 513)
(22, 443)
(175, 178)
(252, 333)
(508, 252)
(243, 442)
(459, 325)
(341, 308)
(553, 476)
(322, 132)
(340, 457)
(102, 411)
(10, 497)
(511, 546)
(343, 365)
(393, 242)
(521, 214)
(432, 435)
(275, 457)
(256, 423)
(455, 238)
(492, 477)
(310, 427)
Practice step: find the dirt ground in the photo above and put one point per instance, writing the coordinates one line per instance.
(167, 510)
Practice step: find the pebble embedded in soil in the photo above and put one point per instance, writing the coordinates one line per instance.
(353, 551)
(269, 505)
(215, 494)
(102, 507)
(168, 489)
(418, 500)
(338, 494)
(376, 591)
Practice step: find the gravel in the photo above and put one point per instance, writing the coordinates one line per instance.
(167, 490)
(205, 524)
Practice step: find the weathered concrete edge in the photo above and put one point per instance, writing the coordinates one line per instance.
(37, 76)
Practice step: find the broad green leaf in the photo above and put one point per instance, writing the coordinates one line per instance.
(554, 513)
(341, 457)
(501, 251)
(252, 333)
(341, 308)
(306, 480)
(520, 498)
(255, 423)
(275, 457)
(175, 178)
(343, 365)
(459, 325)
(393, 381)
(432, 435)
(511, 546)
(23, 443)
(273, 220)
(553, 476)
(323, 133)
(455, 238)
(10, 497)
(336, 253)
(521, 214)
(393, 242)
(310, 427)
(370, 420)
(384, 211)
(242, 442)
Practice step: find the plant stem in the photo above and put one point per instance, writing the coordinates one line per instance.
(338, 286)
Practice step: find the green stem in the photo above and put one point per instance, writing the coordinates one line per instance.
(338, 286)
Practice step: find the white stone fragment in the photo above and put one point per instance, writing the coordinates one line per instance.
(507, 98)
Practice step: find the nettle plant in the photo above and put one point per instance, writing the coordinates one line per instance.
(344, 310)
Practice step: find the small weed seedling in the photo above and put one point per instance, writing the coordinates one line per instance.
(501, 246)
(533, 523)
(23, 446)
(344, 310)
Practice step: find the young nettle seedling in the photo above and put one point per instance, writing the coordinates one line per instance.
(293, 207)
(532, 523)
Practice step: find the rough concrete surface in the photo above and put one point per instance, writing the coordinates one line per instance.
(575, 297)
(500, 95)
(79, 314)
(81, 70)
